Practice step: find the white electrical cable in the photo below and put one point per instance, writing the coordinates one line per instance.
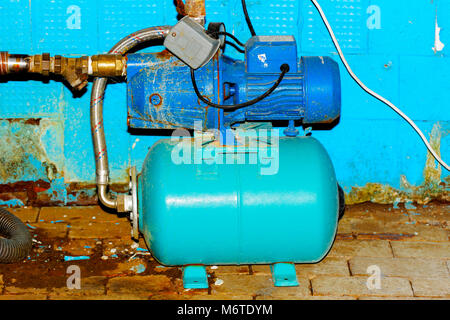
(374, 94)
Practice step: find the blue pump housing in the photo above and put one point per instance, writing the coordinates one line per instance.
(161, 95)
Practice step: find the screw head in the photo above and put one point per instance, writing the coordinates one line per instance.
(155, 99)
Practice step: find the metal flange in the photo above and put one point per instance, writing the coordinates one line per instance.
(134, 214)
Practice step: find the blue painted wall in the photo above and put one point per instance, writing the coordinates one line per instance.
(389, 44)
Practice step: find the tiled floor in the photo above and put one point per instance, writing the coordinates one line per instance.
(409, 247)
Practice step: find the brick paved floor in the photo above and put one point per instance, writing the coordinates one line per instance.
(411, 247)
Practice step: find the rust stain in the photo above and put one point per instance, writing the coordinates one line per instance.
(39, 193)
(195, 8)
(180, 7)
(30, 121)
(218, 90)
(432, 187)
(164, 55)
(22, 152)
(156, 100)
(432, 172)
(328, 120)
(26, 172)
(27, 191)
(345, 236)
(385, 194)
(46, 268)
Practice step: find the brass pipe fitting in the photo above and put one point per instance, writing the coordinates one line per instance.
(75, 70)
(108, 65)
(40, 63)
(3, 62)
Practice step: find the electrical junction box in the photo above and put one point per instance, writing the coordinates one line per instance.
(265, 54)
(191, 44)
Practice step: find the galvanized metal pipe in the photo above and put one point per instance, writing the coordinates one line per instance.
(13, 63)
(196, 10)
(97, 96)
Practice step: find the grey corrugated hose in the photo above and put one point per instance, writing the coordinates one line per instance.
(15, 239)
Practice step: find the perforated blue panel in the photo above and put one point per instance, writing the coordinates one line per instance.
(389, 44)
(348, 18)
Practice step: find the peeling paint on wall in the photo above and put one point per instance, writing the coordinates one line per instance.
(23, 156)
(438, 45)
(385, 194)
(433, 171)
(431, 189)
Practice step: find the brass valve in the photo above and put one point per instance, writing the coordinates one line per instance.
(75, 70)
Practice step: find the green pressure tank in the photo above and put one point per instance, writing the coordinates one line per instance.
(284, 208)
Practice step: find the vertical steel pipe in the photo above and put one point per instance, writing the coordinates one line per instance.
(196, 10)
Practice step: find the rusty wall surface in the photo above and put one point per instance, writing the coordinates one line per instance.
(399, 48)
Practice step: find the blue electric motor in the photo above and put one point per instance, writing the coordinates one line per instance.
(205, 210)
(160, 93)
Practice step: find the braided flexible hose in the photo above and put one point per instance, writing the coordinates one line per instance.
(97, 96)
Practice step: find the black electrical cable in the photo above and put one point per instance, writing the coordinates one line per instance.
(232, 36)
(247, 18)
(235, 46)
(284, 69)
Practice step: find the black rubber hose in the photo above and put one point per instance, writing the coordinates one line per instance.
(15, 239)
(341, 202)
